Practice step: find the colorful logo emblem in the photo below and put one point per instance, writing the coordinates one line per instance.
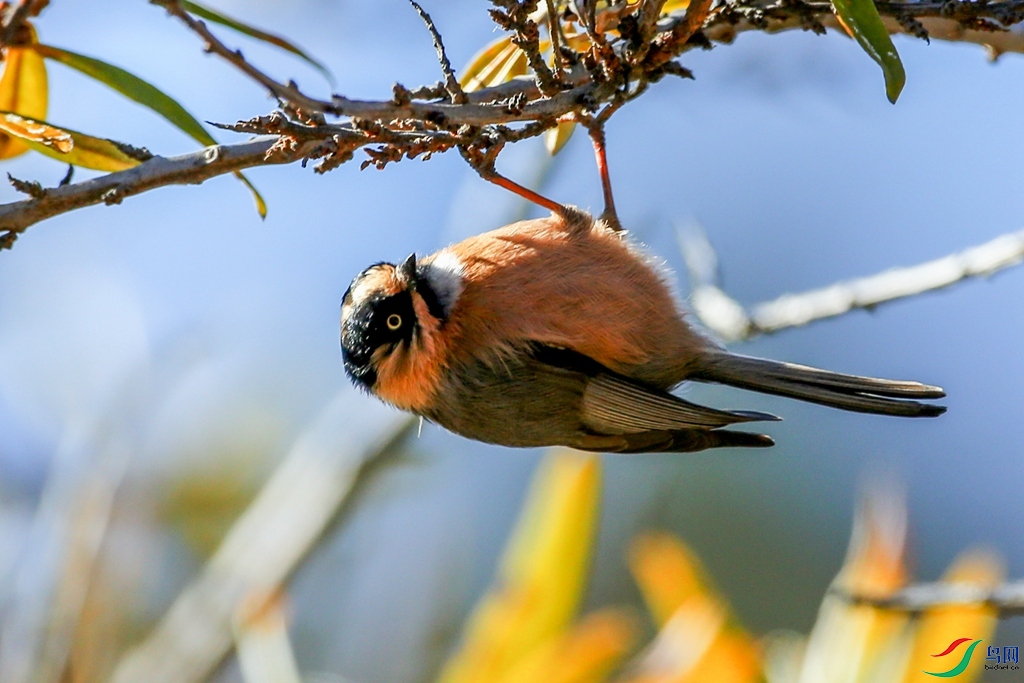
(964, 660)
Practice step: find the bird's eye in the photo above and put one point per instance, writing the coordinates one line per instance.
(394, 321)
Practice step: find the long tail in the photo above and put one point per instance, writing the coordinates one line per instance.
(848, 392)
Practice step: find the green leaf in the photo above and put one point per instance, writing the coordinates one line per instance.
(261, 206)
(146, 94)
(861, 20)
(217, 18)
(132, 87)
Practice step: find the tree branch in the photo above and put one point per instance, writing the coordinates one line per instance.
(730, 320)
(413, 123)
(15, 18)
(113, 188)
(980, 23)
(950, 20)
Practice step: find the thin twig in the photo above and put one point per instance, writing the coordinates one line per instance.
(555, 34)
(1007, 598)
(451, 83)
(285, 93)
(730, 320)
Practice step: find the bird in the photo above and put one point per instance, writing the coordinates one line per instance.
(562, 330)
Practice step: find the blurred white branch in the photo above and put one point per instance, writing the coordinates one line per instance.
(1007, 598)
(265, 545)
(732, 322)
(261, 638)
(42, 606)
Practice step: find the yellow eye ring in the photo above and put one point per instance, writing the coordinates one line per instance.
(394, 321)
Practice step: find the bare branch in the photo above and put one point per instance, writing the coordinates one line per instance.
(113, 188)
(14, 19)
(1007, 598)
(451, 83)
(730, 320)
(288, 142)
(555, 34)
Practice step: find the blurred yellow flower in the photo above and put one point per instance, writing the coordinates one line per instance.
(523, 630)
(698, 640)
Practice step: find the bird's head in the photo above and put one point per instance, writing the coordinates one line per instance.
(393, 328)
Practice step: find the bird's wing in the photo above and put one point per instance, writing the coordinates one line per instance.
(615, 404)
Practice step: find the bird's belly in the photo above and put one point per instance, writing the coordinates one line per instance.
(518, 402)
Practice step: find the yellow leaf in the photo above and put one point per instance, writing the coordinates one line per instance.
(498, 56)
(23, 90)
(666, 571)
(682, 641)
(67, 146)
(674, 6)
(732, 658)
(586, 653)
(555, 138)
(36, 131)
(941, 627)
(696, 642)
(543, 573)
(514, 64)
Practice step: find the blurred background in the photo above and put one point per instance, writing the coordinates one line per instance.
(205, 341)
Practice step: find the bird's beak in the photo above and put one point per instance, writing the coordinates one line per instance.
(407, 271)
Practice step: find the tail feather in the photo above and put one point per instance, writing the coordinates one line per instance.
(673, 441)
(848, 392)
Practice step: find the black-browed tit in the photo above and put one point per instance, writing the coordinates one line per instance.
(559, 331)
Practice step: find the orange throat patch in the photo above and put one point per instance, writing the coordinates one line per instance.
(409, 376)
